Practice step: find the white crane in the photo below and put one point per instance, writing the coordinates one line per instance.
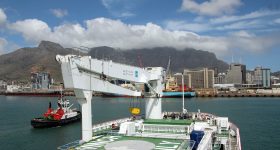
(86, 75)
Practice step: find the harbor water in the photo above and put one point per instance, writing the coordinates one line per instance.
(257, 118)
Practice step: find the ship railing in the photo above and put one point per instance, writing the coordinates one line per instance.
(236, 129)
(206, 141)
(187, 145)
(68, 146)
(108, 124)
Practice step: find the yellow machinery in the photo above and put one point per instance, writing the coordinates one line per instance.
(134, 110)
(134, 107)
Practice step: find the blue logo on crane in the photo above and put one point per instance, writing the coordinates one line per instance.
(136, 74)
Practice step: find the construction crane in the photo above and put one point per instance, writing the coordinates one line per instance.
(85, 75)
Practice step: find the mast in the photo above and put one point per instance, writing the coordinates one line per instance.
(183, 92)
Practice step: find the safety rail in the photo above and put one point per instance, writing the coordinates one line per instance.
(234, 127)
(206, 141)
(108, 124)
(71, 145)
(187, 145)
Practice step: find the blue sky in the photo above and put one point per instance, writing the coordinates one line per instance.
(246, 30)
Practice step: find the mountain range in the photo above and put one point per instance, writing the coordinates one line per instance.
(19, 64)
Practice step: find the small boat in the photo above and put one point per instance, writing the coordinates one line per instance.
(169, 94)
(61, 116)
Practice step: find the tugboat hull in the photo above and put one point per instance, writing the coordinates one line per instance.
(43, 123)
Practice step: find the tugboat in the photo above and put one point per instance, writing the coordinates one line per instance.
(61, 116)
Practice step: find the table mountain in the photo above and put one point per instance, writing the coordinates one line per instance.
(19, 64)
(159, 56)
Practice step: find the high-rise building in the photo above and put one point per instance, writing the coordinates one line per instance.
(236, 74)
(258, 76)
(261, 77)
(202, 78)
(40, 80)
(266, 78)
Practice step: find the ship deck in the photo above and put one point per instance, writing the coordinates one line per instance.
(168, 121)
(130, 142)
(171, 134)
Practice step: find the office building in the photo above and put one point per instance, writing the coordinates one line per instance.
(262, 77)
(236, 74)
(250, 77)
(220, 78)
(266, 83)
(40, 80)
(201, 78)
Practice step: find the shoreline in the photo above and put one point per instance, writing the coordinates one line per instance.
(56, 94)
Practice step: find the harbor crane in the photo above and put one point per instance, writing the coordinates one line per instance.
(85, 75)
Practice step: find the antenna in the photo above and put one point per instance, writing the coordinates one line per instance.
(168, 66)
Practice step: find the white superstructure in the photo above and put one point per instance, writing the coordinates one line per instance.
(169, 130)
(85, 75)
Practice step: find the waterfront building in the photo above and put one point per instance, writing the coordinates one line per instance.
(178, 79)
(200, 78)
(236, 74)
(13, 88)
(3, 85)
(220, 78)
(262, 77)
(258, 76)
(250, 77)
(266, 83)
(274, 80)
(40, 80)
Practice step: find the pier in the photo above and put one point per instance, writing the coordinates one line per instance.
(236, 95)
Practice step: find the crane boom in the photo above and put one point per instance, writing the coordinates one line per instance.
(85, 75)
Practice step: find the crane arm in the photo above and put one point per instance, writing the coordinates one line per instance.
(82, 72)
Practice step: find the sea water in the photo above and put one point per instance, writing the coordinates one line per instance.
(257, 118)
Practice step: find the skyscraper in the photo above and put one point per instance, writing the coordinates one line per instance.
(266, 78)
(262, 77)
(236, 74)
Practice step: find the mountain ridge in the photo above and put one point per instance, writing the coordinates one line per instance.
(19, 64)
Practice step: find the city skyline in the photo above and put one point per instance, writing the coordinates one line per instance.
(247, 31)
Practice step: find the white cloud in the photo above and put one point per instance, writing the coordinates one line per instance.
(277, 20)
(59, 13)
(187, 26)
(252, 15)
(115, 33)
(258, 20)
(127, 14)
(120, 8)
(3, 16)
(3, 43)
(107, 3)
(252, 24)
(242, 33)
(211, 7)
(252, 43)
(32, 29)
